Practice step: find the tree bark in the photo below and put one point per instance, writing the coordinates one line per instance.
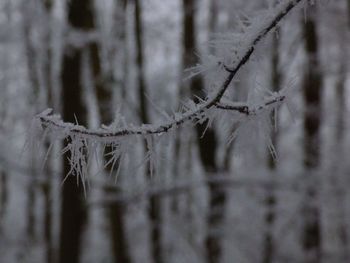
(312, 84)
(73, 209)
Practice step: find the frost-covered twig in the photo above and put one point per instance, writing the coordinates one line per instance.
(271, 102)
(84, 144)
(55, 123)
(254, 34)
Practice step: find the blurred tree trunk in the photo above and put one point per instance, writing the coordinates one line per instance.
(48, 5)
(46, 185)
(116, 211)
(338, 178)
(312, 84)
(208, 148)
(213, 16)
(120, 247)
(46, 189)
(143, 111)
(341, 126)
(31, 60)
(73, 209)
(118, 52)
(3, 197)
(349, 13)
(207, 143)
(271, 199)
(155, 206)
(3, 111)
(340, 100)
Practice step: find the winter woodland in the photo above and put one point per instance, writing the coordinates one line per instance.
(168, 131)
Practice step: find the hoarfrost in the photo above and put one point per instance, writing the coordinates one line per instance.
(233, 51)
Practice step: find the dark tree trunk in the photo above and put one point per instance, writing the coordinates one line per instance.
(154, 210)
(73, 210)
(116, 215)
(73, 215)
(143, 111)
(207, 143)
(271, 199)
(312, 84)
(3, 197)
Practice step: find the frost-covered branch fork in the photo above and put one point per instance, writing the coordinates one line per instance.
(213, 101)
(252, 110)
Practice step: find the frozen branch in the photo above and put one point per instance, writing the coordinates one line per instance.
(254, 34)
(55, 123)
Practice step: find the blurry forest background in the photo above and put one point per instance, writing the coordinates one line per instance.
(206, 200)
